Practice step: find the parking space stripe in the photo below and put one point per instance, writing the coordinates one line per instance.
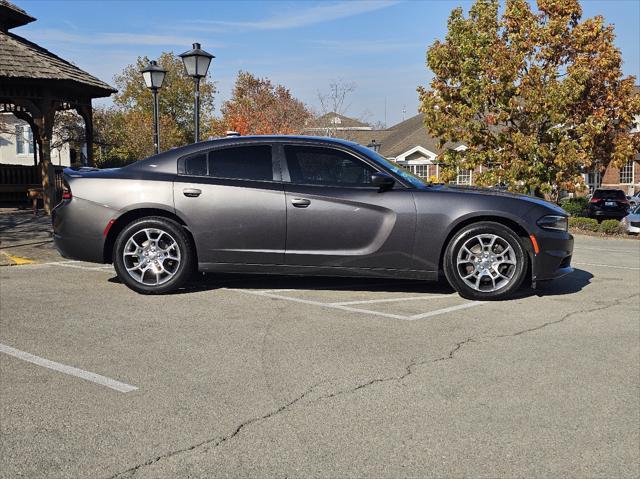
(64, 264)
(611, 250)
(607, 266)
(391, 300)
(446, 310)
(365, 311)
(318, 303)
(70, 370)
(88, 268)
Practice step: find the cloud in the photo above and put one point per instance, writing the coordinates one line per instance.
(107, 38)
(321, 13)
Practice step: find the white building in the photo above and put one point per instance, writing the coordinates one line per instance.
(17, 145)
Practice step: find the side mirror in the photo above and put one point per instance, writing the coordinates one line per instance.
(382, 181)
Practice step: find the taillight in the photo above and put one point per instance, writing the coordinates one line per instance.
(594, 200)
(66, 191)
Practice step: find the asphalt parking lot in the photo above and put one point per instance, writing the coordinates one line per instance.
(248, 376)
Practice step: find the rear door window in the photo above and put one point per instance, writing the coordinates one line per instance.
(196, 165)
(242, 162)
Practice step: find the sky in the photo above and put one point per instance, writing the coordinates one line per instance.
(380, 45)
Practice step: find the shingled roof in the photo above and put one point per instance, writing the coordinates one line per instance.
(399, 138)
(336, 121)
(12, 16)
(21, 59)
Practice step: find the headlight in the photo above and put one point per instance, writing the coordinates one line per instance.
(554, 222)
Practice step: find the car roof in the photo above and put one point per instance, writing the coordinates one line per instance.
(167, 158)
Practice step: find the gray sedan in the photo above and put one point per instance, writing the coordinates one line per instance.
(303, 206)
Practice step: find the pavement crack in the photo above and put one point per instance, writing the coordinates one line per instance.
(214, 442)
(409, 369)
(567, 316)
(457, 348)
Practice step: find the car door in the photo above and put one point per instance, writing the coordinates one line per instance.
(337, 218)
(233, 202)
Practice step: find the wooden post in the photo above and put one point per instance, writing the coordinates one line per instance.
(86, 112)
(44, 125)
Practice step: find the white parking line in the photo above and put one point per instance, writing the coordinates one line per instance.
(616, 250)
(70, 370)
(64, 264)
(88, 268)
(318, 303)
(390, 300)
(445, 310)
(366, 311)
(607, 266)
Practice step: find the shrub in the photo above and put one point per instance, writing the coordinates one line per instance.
(575, 206)
(584, 224)
(609, 227)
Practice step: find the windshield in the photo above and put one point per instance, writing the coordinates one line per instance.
(410, 178)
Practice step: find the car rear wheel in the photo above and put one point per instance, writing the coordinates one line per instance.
(485, 261)
(153, 255)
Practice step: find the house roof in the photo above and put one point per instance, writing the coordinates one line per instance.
(336, 121)
(22, 60)
(12, 16)
(398, 139)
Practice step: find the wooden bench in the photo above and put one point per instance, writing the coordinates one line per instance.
(32, 192)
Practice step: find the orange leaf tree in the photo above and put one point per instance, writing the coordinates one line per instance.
(537, 97)
(258, 107)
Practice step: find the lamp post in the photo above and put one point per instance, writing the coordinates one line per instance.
(153, 76)
(196, 62)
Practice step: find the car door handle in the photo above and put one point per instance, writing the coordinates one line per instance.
(300, 202)
(192, 192)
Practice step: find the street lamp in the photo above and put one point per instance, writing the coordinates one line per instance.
(196, 62)
(153, 77)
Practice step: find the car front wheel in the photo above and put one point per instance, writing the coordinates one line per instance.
(485, 261)
(153, 255)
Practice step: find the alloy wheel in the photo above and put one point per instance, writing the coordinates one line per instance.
(486, 262)
(151, 256)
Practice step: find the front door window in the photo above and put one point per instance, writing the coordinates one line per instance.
(325, 166)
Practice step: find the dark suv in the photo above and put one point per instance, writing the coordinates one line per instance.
(608, 204)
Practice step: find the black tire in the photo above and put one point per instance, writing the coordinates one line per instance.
(455, 272)
(177, 270)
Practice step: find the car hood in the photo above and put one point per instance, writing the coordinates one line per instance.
(475, 190)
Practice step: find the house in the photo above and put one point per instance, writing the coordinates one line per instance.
(335, 125)
(409, 145)
(17, 145)
(626, 178)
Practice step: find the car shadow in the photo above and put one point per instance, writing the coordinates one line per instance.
(569, 284)
(207, 282)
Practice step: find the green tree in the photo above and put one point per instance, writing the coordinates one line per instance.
(537, 97)
(124, 131)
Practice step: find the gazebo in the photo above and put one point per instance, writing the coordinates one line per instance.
(35, 84)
